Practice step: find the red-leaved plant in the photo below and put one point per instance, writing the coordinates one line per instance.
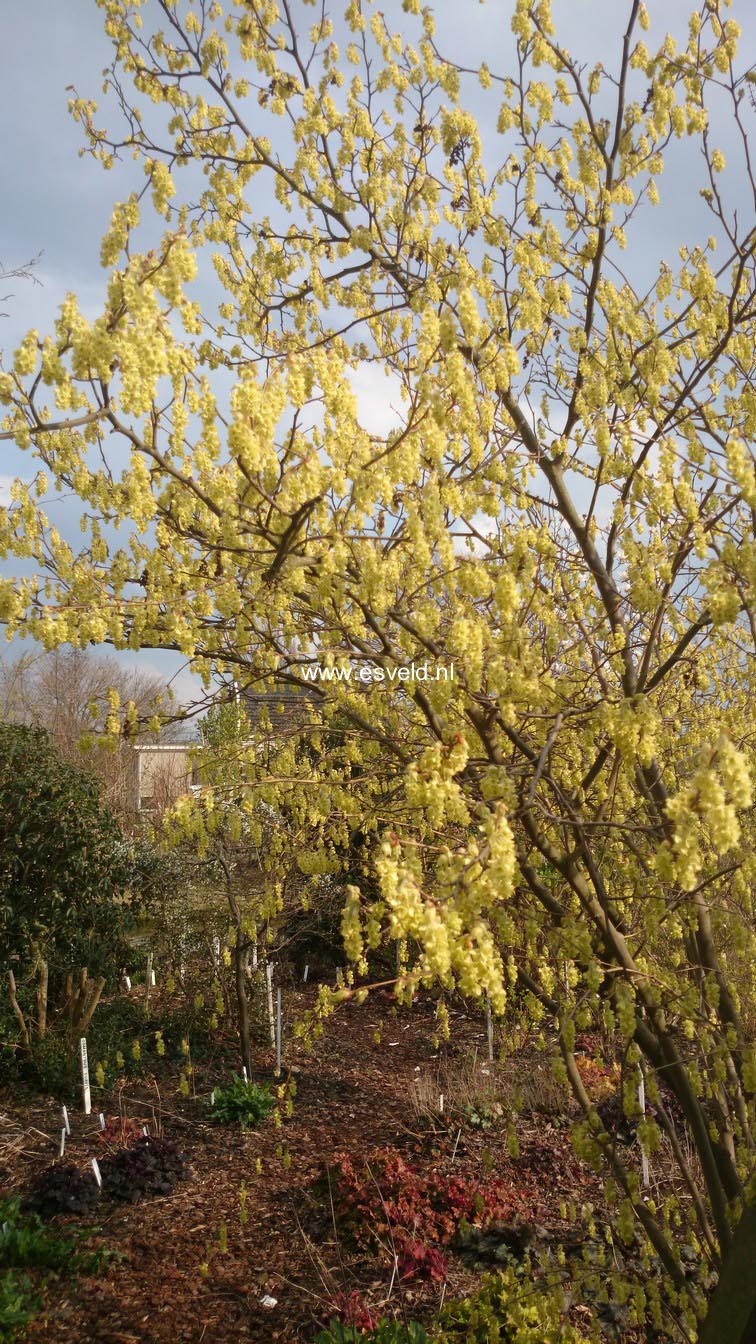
(353, 1310)
(419, 1261)
(388, 1199)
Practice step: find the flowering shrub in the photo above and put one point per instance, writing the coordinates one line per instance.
(388, 1196)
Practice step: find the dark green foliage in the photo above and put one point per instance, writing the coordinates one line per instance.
(18, 1302)
(26, 1244)
(147, 1167)
(49, 1067)
(61, 1189)
(385, 1332)
(64, 864)
(245, 1104)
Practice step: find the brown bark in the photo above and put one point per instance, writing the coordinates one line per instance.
(15, 1005)
(731, 1317)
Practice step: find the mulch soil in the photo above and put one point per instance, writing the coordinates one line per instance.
(176, 1284)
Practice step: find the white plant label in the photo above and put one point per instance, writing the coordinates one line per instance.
(489, 1030)
(96, 1170)
(244, 1073)
(65, 1120)
(306, 973)
(278, 1030)
(101, 1119)
(127, 981)
(441, 1103)
(86, 1095)
(62, 1141)
(645, 1172)
(269, 987)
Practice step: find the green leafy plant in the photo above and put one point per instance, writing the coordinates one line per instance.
(511, 1307)
(27, 1244)
(64, 866)
(243, 1103)
(385, 1332)
(18, 1302)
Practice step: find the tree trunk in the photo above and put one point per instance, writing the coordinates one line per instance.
(731, 1317)
(42, 973)
(22, 1028)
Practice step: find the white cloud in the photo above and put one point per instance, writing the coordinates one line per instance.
(379, 398)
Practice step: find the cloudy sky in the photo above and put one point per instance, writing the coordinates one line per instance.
(58, 204)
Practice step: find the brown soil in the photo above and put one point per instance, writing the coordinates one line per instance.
(176, 1285)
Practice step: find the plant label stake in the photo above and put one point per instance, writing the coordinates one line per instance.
(101, 1118)
(216, 953)
(441, 1104)
(278, 1031)
(65, 1120)
(85, 1093)
(96, 1170)
(306, 973)
(254, 956)
(212, 1097)
(62, 1141)
(145, 1131)
(127, 982)
(645, 1173)
(148, 979)
(269, 987)
(244, 1073)
(489, 1030)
